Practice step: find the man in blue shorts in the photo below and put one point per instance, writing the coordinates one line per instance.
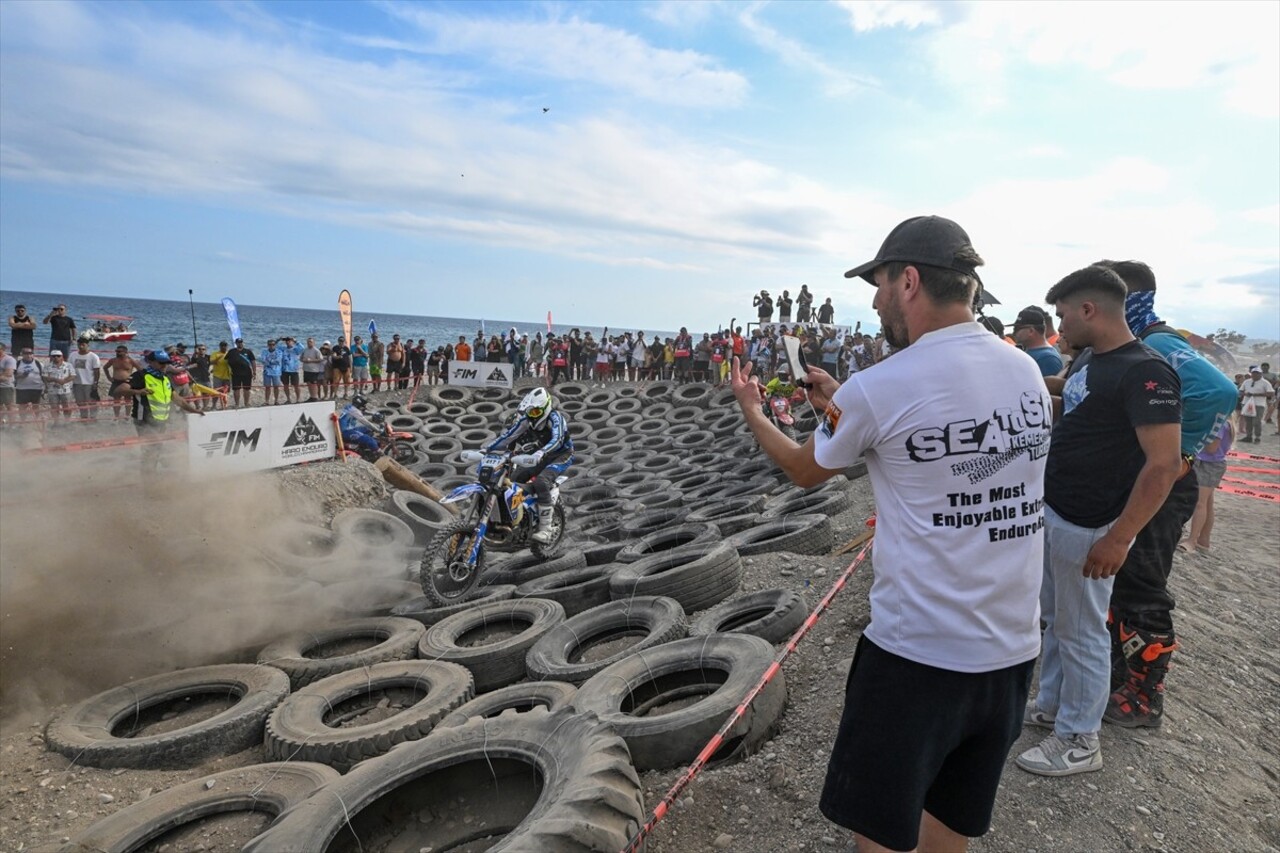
(939, 682)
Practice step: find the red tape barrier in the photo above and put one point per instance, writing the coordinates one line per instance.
(1258, 483)
(1245, 470)
(1250, 493)
(1235, 454)
(660, 811)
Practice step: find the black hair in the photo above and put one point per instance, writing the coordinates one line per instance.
(1099, 282)
(1136, 275)
(945, 285)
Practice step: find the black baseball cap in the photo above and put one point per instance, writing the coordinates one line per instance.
(1032, 317)
(932, 241)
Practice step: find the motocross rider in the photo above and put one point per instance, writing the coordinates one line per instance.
(357, 430)
(782, 385)
(540, 430)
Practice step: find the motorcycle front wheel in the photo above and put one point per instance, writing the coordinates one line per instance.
(445, 576)
(402, 453)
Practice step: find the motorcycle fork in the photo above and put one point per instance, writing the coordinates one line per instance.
(478, 542)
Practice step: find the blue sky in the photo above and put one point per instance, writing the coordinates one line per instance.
(693, 153)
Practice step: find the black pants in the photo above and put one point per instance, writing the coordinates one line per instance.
(1141, 594)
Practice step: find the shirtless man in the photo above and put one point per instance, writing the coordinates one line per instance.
(119, 370)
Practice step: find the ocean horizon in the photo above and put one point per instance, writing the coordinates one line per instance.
(167, 321)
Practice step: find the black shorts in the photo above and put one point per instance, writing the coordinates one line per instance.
(918, 738)
(289, 378)
(28, 396)
(239, 381)
(311, 377)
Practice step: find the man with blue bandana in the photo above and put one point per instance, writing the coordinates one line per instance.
(1140, 620)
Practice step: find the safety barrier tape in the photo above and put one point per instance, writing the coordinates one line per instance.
(660, 811)
(1247, 470)
(1235, 454)
(1250, 493)
(103, 444)
(1256, 483)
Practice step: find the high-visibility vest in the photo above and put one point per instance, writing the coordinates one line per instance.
(161, 395)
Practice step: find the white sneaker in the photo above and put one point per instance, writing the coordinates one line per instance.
(1057, 756)
(1033, 716)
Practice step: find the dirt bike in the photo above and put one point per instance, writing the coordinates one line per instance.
(498, 514)
(778, 408)
(397, 445)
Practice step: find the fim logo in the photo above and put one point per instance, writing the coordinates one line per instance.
(304, 432)
(231, 442)
(497, 375)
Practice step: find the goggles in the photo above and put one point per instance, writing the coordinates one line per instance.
(534, 413)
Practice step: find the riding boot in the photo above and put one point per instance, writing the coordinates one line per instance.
(546, 524)
(1140, 700)
(1119, 666)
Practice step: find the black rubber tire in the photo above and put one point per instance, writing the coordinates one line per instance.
(660, 390)
(424, 516)
(601, 553)
(669, 500)
(628, 420)
(514, 699)
(390, 638)
(654, 425)
(421, 609)
(831, 502)
(654, 463)
(440, 448)
(538, 781)
(649, 485)
(404, 422)
(772, 614)
(523, 567)
(403, 452)
(697, 576)
(434, 576)
(669, 538)
(799, 534)
(271, 789)
(690, 480)
(353, 599)
(651, 521)
(693, 442)
(372, 528)
(572, 390)
(611, 469)
(576, 589)
(437, 428)
(448, 395)
(728, 506)
(722, 667)
(694, 394)
(499, 663)
(626, 405)
(731, 524)
(84, 732)
(297, 729)
(653, 619)
(295, 546)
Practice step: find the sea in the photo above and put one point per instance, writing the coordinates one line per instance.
(161, 322)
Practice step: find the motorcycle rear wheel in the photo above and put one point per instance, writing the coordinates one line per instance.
(547, 550)
(444, 577)
(402, 453)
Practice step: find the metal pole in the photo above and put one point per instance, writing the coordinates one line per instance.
(195, 338)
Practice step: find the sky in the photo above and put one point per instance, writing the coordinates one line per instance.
(646, 164)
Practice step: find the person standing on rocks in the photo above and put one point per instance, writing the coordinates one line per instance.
(1113, 459)
(956, 457)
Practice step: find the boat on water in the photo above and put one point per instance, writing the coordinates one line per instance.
(110, 328)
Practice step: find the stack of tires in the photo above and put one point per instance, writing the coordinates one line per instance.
(518, 717)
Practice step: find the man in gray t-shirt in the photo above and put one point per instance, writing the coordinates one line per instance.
(8, 397)
(312, 368)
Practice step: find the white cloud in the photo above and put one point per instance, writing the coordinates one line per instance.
(1227, 47)
(681, 14)
(868, 15)
(575, 49)
(1269, 215)
(836, 81)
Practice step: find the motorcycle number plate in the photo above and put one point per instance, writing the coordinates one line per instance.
(493, 460)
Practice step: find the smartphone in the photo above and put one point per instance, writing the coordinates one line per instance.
(795, 358)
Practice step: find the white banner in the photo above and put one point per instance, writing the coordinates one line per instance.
(481, 374)
(260, 438)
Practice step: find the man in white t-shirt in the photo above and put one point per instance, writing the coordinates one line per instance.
(88, 377)
(58, 377)
(936, 693)
(1256, 395)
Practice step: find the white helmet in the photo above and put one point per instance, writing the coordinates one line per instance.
(536, 406)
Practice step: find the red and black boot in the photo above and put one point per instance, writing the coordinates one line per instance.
(1139, 702)
(1119, 664)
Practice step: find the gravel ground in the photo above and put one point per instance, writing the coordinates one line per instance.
(1206, 781)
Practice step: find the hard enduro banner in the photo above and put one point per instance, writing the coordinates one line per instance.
(481, 374)
(262, 438)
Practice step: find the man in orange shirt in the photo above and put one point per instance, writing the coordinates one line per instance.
(462, 349)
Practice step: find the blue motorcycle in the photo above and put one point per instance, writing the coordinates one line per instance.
(498, 513)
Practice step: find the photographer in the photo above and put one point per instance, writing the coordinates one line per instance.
(956, 461)
(764, 306)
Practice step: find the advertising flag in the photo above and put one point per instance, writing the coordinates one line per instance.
(233, 317)
(344, 310)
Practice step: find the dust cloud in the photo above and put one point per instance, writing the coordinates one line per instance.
(104, 580)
